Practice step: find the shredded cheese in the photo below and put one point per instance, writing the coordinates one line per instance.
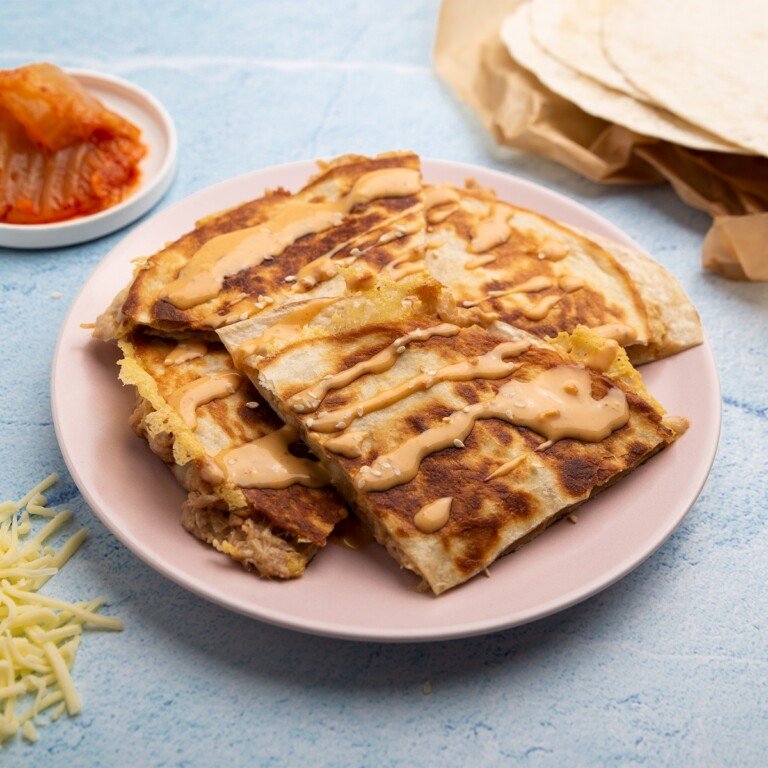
(39, 635)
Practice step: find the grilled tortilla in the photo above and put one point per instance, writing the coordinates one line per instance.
(275, 531)
(544, 277)
(455, 443)
(278, 249)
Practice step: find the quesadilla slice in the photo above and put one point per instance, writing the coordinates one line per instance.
(281, 248)
(455, 442)
(255, 492)
(544, 277)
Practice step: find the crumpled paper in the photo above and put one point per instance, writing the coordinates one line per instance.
(522, 113)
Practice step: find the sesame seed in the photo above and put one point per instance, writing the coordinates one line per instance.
(457, 443)
(376, 472)
(401, 349)
(310, 421)
(327, 376)
(230, 461)
(341, 425)
(290, 278)
(361, 483)
(398, 471)
(252, 404)
(360, 411)
(355, 252)
(243, 315)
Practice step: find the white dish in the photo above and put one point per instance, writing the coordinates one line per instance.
(363, 594)
(157, 169)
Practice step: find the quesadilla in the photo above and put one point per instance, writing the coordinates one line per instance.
(255, 492)
(455, 442)
(544, 277)
(278, 249)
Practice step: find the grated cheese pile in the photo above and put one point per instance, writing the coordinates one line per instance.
(39, 635)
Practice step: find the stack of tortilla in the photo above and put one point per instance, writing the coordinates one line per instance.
(630, 91)
(284, 351)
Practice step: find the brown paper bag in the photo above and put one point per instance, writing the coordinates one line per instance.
(522, 113)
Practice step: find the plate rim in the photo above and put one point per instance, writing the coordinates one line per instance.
(334, 630)
(83, 228)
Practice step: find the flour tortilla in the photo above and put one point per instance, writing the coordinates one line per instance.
(596, 99)
(705, 60)
(674, 321)
(569, 30)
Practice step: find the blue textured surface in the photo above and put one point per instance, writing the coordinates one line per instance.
(668, 667)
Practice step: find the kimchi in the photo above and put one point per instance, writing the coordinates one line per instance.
(62, 152)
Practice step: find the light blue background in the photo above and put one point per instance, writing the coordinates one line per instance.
(668, 667)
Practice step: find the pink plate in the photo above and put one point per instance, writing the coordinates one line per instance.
(363, 595)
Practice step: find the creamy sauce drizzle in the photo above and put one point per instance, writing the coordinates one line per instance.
(203, 276)
(439, 194)
(283, 330)
(506, 468)
(494, 364)
(541, 404)
(309, 399)
(187, 399)
(186, 350)
(492, 231)
(317, 271)
(623, 334)
(349, 444)
(433, 516)
(541, 309)
(440, 214)
(240, 310)
(533, 285)
(550, 248)
(407, 268)
(480, 261)
(211, 472)
(267, 463)
(570, 283)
